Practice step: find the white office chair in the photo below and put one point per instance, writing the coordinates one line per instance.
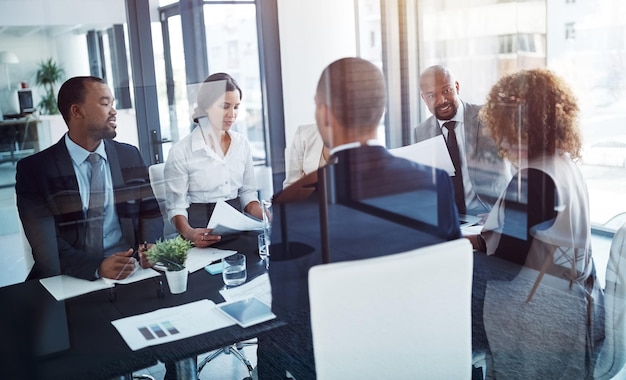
(157, 182)
(612, 356)
(406, 315)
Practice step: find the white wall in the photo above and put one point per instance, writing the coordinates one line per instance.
(312, 35)
(61, 12)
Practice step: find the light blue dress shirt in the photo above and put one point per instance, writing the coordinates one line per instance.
(113, 241)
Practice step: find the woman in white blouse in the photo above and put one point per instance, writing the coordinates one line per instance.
(306, 153)
(212, 163)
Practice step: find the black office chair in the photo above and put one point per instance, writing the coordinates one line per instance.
(234, 349)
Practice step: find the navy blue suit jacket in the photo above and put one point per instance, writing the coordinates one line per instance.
(50, 207)
(378, 204)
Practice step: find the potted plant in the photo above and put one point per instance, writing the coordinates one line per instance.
(47, 75)
(172, 254)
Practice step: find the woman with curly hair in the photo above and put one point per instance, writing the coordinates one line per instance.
(540, 222)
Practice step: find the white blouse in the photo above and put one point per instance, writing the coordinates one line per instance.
(195, 173)
(305, 153)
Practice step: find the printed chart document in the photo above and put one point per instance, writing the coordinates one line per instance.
(171, 324)
(432, 152)
(198, 258)
(227, 220)
(259, 288)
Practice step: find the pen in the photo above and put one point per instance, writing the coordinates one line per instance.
(143, 248)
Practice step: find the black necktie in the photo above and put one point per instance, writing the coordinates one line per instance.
(95, 212)
(455, 155)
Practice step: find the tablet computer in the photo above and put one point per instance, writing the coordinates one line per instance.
(247, 312)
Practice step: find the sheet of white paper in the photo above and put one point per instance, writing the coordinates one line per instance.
(227, 220)
(471, 230)
(138, 275)
(63, 287)
(431, 152)
(198, 258)
(259, 287)
(171, 324)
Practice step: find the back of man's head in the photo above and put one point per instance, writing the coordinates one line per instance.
(354, 91)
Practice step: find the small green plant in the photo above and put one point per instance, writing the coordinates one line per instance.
(172, 253)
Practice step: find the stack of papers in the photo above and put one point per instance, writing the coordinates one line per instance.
(198, 258)
(228, 220)
(63, 287)
(259, 288)
(432, 152)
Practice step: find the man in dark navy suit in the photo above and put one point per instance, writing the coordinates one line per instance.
(53, 192)
(364, 203)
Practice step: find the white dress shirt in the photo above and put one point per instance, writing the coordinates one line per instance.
(195, 173)
(471, 200)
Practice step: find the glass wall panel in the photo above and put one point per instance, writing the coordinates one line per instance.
(232, 47)
(583, 41)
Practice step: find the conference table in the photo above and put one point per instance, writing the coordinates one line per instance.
(89, 345)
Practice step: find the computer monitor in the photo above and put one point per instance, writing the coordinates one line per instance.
(25, 97)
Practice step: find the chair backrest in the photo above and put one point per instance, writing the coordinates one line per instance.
(612, 356)
(406, 315)
(157, 182)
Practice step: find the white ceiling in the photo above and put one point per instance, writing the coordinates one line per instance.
(22, 18)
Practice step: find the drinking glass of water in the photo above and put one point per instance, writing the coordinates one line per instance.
(264, 249)
(234, 269)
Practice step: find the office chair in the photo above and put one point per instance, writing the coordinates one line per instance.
(403, 316)
(157, 182)
(234, 349)
(612, 356)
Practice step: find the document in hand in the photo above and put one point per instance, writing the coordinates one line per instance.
(227, 220)
(432, 152)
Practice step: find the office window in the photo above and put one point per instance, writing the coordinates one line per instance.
(507, 44)
(593, 67)
(570, 31)
(232, 47)
(369, 39)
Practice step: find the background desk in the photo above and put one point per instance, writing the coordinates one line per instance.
(97, 350)
(18, 137)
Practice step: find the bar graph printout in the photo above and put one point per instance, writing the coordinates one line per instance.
(171, 324)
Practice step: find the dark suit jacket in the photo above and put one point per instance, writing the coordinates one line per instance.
(379, 205)
(488, 172)
(49, 205)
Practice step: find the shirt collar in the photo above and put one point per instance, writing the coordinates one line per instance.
(197, 140)
(80, 154)
(352, 145)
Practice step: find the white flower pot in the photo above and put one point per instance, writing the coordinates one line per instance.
(177, 280)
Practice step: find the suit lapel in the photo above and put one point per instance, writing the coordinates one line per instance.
(64, 187)
(433, 127)
(114, 165)
(472, 126)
